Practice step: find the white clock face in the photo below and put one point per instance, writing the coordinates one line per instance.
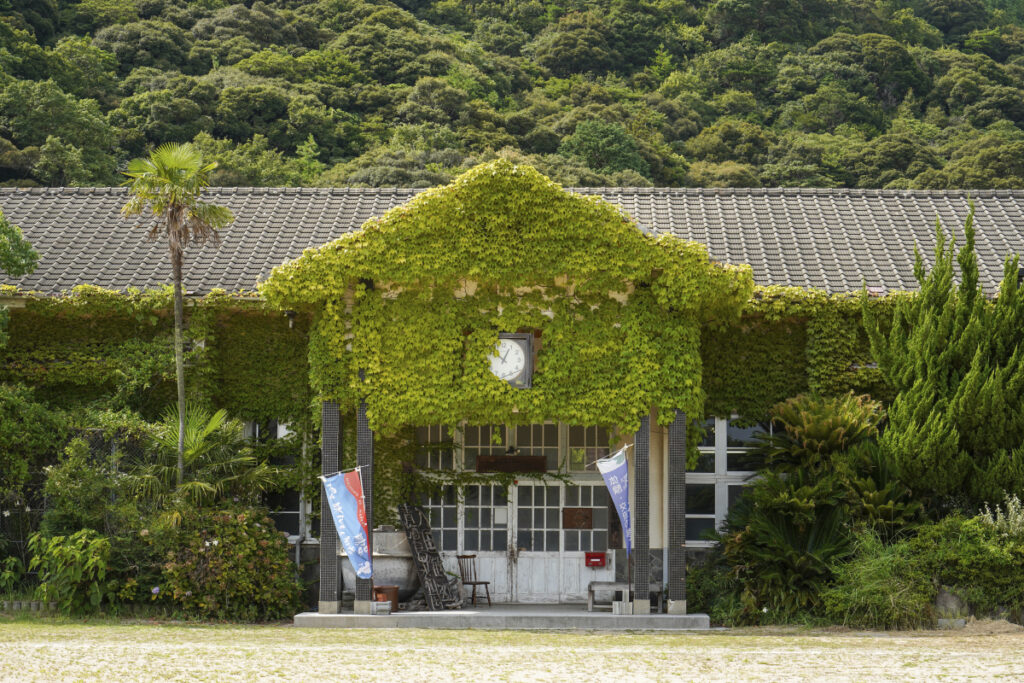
(509, 359)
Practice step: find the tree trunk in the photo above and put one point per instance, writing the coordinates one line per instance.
(179, 357)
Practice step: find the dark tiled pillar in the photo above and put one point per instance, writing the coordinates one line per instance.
(330, 456)
(364, 458)
(641, 518)
(676, 570)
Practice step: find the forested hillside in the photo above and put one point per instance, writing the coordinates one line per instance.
(823, 93)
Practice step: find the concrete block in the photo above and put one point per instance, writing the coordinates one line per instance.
(363, 606)
(329, 607)
(676, 606)
(641, 606)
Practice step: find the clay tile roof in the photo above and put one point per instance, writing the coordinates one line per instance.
(833, 239)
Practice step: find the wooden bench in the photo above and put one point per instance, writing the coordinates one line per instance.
(620, 586)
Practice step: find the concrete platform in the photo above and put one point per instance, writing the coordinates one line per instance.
(511, 617)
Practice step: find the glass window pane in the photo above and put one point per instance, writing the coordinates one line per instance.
(451, 539)
(744, 461)
(472, 495)
(551, 458)
(448, 517)
(538, 519)
(600, 541)
(500, 540)
(485, 540)
(696, 526)
(525, 518)
(485, 518)
(553, 496)
(553, 521)
(538, 541)
(485, 494)
(572, 540)
(601, 518)
(472, 518)
(524, 436)
(705, 463)
(600, 496)
(700, 499)
(740, 436)
(585, 496)
(552, 540)
(735, 492)
(550, 435)
(471, 437)
(523, 540)
(500, 495)
(572, 496)
(470, 541)
(601, 440)
(436, 533)
(577, 438)
(708, 438)
(525, 495)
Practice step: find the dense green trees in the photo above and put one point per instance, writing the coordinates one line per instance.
(866, 93)
(957, 424)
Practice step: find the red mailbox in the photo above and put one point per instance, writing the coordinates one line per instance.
(594, 559)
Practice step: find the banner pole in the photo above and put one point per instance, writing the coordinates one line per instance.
(629, 580)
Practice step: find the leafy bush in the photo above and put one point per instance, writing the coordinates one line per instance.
(85, 492)
(228, 564)
(793, 525)
(73, 570)
(29, 432)
(980, 564)
(879, 588)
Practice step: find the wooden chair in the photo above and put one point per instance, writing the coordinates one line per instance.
(467, 568)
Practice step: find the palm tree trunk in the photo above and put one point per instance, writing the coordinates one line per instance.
(179, 357)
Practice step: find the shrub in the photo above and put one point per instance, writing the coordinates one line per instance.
(73, 570)
(228, 564)
(980, 564)
(1009, 524)
(879, 588)
(85, 492)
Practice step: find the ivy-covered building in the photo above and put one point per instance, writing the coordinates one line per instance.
(670, 319)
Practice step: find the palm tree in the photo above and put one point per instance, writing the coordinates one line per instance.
(221, 464)
(167, 186)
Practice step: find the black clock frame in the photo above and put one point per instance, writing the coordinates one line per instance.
(525, 378)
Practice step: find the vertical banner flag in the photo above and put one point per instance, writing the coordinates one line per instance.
(345, 496)
(616, 477)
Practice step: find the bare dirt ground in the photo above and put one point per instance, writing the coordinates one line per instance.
(51, 650)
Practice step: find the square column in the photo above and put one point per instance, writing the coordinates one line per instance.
(330, 457)
(641, 518)
(675, 572)
(364, 458)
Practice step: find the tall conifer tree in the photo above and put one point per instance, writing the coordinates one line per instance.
(956, 428)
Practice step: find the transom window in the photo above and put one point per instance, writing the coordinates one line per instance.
(587, 445)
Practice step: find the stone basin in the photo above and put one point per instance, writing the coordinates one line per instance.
(393, 564)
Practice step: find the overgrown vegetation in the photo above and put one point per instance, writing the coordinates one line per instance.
(816, 93)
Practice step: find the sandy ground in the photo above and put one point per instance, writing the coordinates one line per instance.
(49, 650)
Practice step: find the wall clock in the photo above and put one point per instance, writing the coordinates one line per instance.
(512, 360)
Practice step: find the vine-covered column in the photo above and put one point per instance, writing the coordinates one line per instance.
(330, 452)
(641, 518)
(675, 572)
(364, 458)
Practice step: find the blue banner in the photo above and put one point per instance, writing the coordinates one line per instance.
(615, 471)
(345, 497)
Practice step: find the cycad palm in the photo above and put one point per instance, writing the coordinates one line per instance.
(167, 186)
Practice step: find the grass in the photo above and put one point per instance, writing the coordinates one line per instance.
(56, 649)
